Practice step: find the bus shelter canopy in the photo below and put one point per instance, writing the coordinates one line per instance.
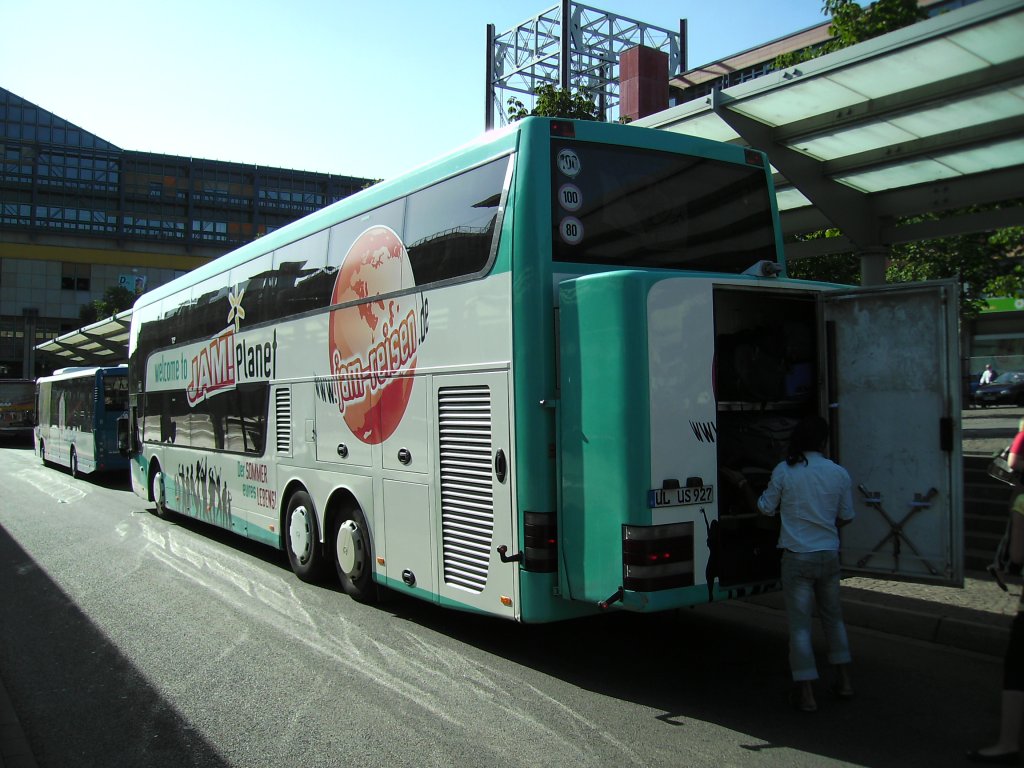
(875, 138)
(102, 343)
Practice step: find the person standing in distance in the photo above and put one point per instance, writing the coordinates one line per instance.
(987, 376)
(812, 494)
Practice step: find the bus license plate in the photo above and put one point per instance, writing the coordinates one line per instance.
(680, 497)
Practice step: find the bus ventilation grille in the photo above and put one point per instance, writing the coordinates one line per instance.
(283, 412)
(467, 496)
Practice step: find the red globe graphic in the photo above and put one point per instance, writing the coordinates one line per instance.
(373, 344)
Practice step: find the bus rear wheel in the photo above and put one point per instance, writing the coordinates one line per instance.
(302, 538)
(353, 556)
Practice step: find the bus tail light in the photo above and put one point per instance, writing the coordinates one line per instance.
(541, 539)
(657, 556)
(563, 128)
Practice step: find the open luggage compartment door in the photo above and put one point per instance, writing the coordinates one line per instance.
(894, 404)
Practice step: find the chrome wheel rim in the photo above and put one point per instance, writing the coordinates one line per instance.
(300, 534)
(349, 546)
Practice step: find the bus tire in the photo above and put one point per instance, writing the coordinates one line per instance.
(73, 463)
(158, 492)
(302, 539)
(353, 555)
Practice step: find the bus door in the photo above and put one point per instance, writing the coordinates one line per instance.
(894, 404)
(473, 492)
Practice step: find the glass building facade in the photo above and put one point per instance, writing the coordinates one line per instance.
(79, 215)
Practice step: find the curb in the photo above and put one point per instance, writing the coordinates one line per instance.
(989, 638)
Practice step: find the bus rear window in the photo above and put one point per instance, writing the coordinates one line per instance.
(619, 206)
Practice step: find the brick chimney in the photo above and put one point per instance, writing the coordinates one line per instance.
(643, 82)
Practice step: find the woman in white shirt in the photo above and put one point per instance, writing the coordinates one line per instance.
(812, 494)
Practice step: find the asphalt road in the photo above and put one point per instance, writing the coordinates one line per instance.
(126, 640)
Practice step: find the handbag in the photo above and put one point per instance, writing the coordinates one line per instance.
(1000, 470)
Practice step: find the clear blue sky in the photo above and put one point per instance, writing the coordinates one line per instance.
(357, 88)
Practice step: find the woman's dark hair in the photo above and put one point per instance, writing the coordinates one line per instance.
(810, 434)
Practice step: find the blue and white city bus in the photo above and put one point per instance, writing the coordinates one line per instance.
(505, 382)
(83, 419)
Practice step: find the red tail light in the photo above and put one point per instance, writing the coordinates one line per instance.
(657, 556)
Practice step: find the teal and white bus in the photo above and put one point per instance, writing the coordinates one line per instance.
(83, 419)
(505, 382)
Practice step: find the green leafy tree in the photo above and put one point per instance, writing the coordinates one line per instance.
(115, 299)
(852, 24)
(984, 263)
(553, 101)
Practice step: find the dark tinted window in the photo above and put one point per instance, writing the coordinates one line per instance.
(115, 393)
(639, 208)
(233, 421)
(449, 227)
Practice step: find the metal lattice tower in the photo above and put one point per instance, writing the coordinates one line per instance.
(583, 55)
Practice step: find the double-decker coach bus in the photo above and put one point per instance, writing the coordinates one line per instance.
(505, 382)
(83, 419)
(17, 408)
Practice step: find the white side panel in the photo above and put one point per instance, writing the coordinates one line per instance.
(408, 531)
(682, 409)
(407, 448)
(896, 412)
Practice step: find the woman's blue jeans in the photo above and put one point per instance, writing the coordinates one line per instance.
(808, 578)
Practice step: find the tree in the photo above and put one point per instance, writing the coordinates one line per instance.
(552, 101)
(852, 24)
(115, 299)
(984, 263)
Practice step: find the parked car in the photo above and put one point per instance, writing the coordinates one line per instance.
(1007, 389)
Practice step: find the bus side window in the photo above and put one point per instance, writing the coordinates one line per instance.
(449, 227)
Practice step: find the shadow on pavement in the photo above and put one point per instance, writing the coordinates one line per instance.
(727, 665)
(80, 701)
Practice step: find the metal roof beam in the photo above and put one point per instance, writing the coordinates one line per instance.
(950, 194)
(115, 348)
(948, 226)
(937, 144)
(846, 208)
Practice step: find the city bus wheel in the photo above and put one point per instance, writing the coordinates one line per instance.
(353, 556)
(74, 463)
(302, 538)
